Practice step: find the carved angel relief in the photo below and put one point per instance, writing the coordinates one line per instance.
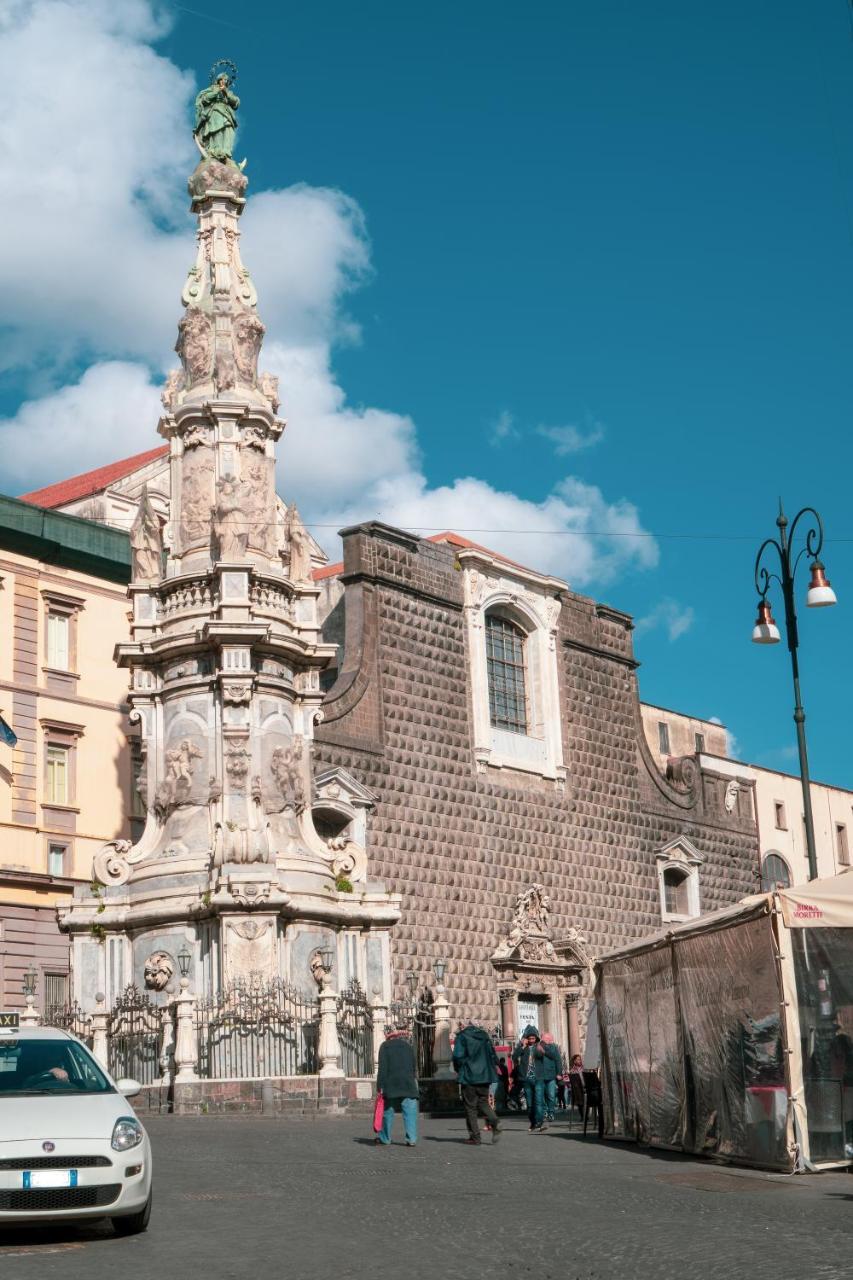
(286, 769)
(195, 344)
(248, 330)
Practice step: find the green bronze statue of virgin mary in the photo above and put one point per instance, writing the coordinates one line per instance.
(216, 113)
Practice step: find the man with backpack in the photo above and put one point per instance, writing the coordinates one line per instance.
(476, 1065)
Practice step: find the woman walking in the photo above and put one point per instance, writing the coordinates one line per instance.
(397, 1081)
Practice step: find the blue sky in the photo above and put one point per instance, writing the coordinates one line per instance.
(577, 268)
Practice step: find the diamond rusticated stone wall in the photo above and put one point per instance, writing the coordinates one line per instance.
(459, 844)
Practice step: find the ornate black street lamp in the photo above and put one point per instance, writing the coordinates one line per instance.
(820, 594)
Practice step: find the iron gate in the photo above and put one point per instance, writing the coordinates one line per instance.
(257, 1028)
(418, 1016)
(71, 1018)
(355, 1031)
(133, 1037)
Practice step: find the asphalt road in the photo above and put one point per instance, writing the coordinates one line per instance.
(257, 1199)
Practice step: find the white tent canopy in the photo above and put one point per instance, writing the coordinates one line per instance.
(732, 1034)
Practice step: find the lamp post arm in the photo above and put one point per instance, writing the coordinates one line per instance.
(763, 576)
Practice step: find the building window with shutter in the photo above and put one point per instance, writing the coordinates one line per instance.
(61, 614)
(505, 664)
(55, 991)
(663, 737)
(699, 739)
(56, 783)
(56, 859)
(58, 649)
(775, 873)
(841, 844)
(779, 810)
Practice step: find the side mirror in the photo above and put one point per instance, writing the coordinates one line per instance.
(130, 1088)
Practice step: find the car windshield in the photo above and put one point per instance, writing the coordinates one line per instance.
(36, 1067)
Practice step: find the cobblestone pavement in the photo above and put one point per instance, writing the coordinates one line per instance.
(249, 1197)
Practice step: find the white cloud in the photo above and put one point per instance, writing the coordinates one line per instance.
(110, 413)
(733, 747)
(670, 616)
(570, 439)
(95, 148)
(573, 532)
(94, 153)
(503, 428)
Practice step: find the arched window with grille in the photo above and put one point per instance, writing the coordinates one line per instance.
(775, 873)
(505, 665)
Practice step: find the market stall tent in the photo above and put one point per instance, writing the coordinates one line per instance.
(731, 1035)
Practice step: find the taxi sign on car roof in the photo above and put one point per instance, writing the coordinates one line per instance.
(9, 1021)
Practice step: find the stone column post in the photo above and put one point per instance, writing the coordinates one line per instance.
(329, 1049)
(100, 1045)
(185, 1043)
(30, 1015)
(574, 1029)
(508, 1015)
(380, 1019)
(167, 1043)
(441, 1059)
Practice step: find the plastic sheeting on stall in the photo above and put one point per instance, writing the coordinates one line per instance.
(732, 1034)
(692, 1043)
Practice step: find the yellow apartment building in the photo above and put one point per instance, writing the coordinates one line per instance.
(65, 786)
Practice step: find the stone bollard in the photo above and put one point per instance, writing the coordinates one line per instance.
(30, 1015)
(185, 1044)
(100, 1044)
(441, 1059)
(329, 1048)
(380, 1020)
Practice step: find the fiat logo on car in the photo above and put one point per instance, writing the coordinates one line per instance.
(48, 1146)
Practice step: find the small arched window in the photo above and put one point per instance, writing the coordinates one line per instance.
(505, 663)
(775, 873)
(676, 885)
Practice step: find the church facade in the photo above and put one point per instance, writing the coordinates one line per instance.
(493, 715)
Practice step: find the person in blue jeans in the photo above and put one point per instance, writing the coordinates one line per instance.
(397, 1081)
(552, 1066)
(529, 1059)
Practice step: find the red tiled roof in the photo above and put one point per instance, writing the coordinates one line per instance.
(455, 540)
(82, 486)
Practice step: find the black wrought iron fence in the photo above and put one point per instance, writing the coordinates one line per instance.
(418, 1016)
(355, 1031)
(69, 1017)
(257, 1028)
(133, 1037)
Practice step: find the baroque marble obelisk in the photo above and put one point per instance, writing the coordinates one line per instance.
(225, 659)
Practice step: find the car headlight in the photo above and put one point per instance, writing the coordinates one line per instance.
(126, 1134)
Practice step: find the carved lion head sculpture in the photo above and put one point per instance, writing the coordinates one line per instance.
(159, 970)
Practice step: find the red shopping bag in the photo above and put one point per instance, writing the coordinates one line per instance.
(378, 1113)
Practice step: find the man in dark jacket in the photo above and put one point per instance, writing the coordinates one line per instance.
(529, 1059)
(552, 1064)
(396, 1080)
(476, 1064)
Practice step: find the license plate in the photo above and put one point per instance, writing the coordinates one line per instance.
(49, 1178)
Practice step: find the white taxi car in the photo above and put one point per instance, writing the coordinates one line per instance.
(70, 1144)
